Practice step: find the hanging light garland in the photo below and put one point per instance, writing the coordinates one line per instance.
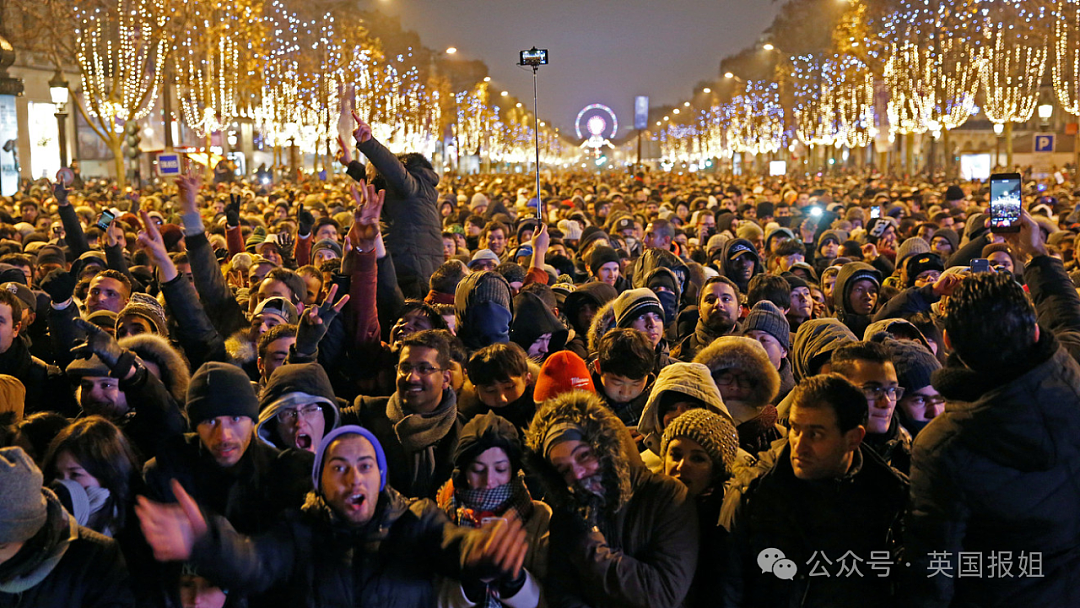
(1065, 73)
(1014, 58)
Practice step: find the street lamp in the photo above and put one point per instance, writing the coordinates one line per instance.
(768, 46)
(58, 92)
(1046, 111)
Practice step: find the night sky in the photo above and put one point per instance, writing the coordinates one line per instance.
(601, 51)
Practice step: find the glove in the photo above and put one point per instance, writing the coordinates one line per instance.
(59, 284)
(105, 347)
(316, 321)
(304, 221)
(232, 211)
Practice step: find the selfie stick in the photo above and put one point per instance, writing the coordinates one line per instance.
(536, 137)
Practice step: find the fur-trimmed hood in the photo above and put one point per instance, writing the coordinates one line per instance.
(690, 379)
(609, 438)
(175, 374)
(240, 350)
(747, 356)
(603, 322)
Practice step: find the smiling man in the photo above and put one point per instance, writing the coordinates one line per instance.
(418, 424)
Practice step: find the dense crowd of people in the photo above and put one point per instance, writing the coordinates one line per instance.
(395, 388)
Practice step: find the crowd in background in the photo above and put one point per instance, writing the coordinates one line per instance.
(395, 388)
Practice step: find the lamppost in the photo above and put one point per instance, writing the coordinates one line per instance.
(58, 91)
(998, 130)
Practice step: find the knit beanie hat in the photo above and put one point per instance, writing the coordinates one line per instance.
(12, 396)
(794, 280)
(380, 455)
(716, 242)
(327, 244)
(51, 254)
(570, 228)
(633, 303)
(257, 236)
(749, 231)
(949, 235)
(279, 306)
(912, 246)
(954, 193)
(914, 364)
(140, 306)
(480, 287)
(920, 263)
(23, 510)
(601, 255)
(478, 201)
(220, 389)
(713, 432)
(766, 317)
(562, 372)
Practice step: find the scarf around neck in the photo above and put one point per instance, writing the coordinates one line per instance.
(40, 555)
(419, 431)
(469, 507)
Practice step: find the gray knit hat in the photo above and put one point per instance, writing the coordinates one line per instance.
(912, 246)
(480, 287)
(142, 307)
(633, 303)
(23, 509)
(713, 432)
(766, 317)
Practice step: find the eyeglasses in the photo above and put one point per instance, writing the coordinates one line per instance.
(875, 393)
(729, 379)
(307, 412)
(923, 400)
(406, 369)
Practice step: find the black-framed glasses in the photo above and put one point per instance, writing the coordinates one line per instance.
(307, 412)
(875, 393)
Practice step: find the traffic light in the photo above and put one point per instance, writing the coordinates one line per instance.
(132, 138)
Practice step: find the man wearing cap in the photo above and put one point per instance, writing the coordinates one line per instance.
(740, 262)
(325, 250)
(221, 464)
(46, 557)
(640, 309)
(483, 260)
(620, 535)
(355, 542)
(273, 311)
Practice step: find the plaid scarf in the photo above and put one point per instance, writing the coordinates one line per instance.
(470, 508)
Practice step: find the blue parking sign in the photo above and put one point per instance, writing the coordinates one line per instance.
(1044, 142)
(168, 164)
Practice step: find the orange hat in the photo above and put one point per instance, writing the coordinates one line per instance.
(562, 372)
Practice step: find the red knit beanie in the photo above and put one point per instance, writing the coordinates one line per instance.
(562, 372)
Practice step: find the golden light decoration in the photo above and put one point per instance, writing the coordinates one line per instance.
(758, 118)
(1065, 72)
(932, 65)
(1014, 59)
(208, 65)
(815, 119)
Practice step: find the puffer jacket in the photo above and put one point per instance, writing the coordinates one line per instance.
(393, 561)
(996, 472)
(690, 379)
(413, 231)
(767, 507)
(644, 549)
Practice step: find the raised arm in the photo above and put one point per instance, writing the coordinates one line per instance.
(384, 160)
(73, 230)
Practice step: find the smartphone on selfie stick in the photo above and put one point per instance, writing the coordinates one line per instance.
(1005, 203)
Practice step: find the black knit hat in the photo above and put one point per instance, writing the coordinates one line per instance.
(766, 317)
(220, 389)
(914, 364)
(601, 254)
(954, 193)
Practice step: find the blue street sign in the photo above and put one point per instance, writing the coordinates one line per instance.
(1044, 142)
(168, 163)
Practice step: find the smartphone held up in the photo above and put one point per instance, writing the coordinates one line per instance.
(1005, 202)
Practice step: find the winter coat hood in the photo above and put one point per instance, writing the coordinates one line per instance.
(595, 293)
(726, 267)
(480, 434)
(748, 357)
(175, 374)
(690, 379)
(847, 277)
(307, 378)
(659, 258)
(609, 438)
(484, 309)
(532, 319)
(603, 322)
(814, 342)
